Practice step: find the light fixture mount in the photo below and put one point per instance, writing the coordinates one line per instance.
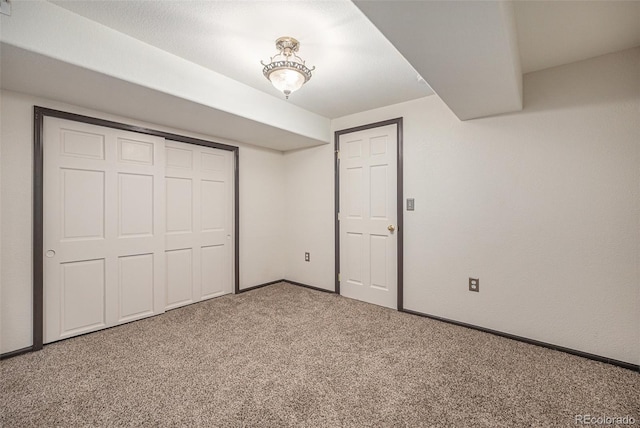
(287, 45)
(286, 70)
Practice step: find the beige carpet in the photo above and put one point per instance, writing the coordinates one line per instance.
(287, 356)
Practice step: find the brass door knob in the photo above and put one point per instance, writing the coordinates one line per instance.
(391, 228)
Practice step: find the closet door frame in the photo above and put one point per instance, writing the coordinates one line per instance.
(39, 113)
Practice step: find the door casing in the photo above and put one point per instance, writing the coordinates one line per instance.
(399, 202)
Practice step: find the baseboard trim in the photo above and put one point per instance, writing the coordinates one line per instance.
(599, 358)
(15, 353)
(288, 281)
(254, 287)
(623, 364)
(299, 284)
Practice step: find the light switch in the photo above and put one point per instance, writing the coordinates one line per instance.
(410, 204)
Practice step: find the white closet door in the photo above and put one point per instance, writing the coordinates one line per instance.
(199, 213)
(103, 229)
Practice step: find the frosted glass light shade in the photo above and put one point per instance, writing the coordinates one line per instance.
(287, 80)
(287, 71)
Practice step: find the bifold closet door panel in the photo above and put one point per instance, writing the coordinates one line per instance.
(104, 225)
(199, 226)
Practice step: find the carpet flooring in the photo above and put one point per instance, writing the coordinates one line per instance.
(286, 356)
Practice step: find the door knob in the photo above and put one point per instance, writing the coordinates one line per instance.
(391, 228)
(50, 253)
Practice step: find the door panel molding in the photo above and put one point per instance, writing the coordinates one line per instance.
(203, 216)
(38, 200)
(399, 202)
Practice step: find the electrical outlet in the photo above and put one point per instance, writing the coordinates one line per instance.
(474, 284)
(307, 257)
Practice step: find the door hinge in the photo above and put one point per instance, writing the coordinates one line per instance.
(338, 215)
(338, 277)
(338, 154)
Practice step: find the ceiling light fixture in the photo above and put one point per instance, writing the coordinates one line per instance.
(287, 71)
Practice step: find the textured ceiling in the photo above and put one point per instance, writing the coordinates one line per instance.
(357, 68)
(552, 33)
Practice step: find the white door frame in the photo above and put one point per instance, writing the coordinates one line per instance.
(399, 202)
(38, 201)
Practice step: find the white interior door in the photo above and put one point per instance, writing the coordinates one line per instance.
(103, 227)
(368, 215)
(199, 213)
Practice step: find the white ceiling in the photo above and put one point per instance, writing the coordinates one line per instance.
(32, 73)
(357, 68)
(473, 53)
(206, 54)
(466, 50)
(552, 33)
